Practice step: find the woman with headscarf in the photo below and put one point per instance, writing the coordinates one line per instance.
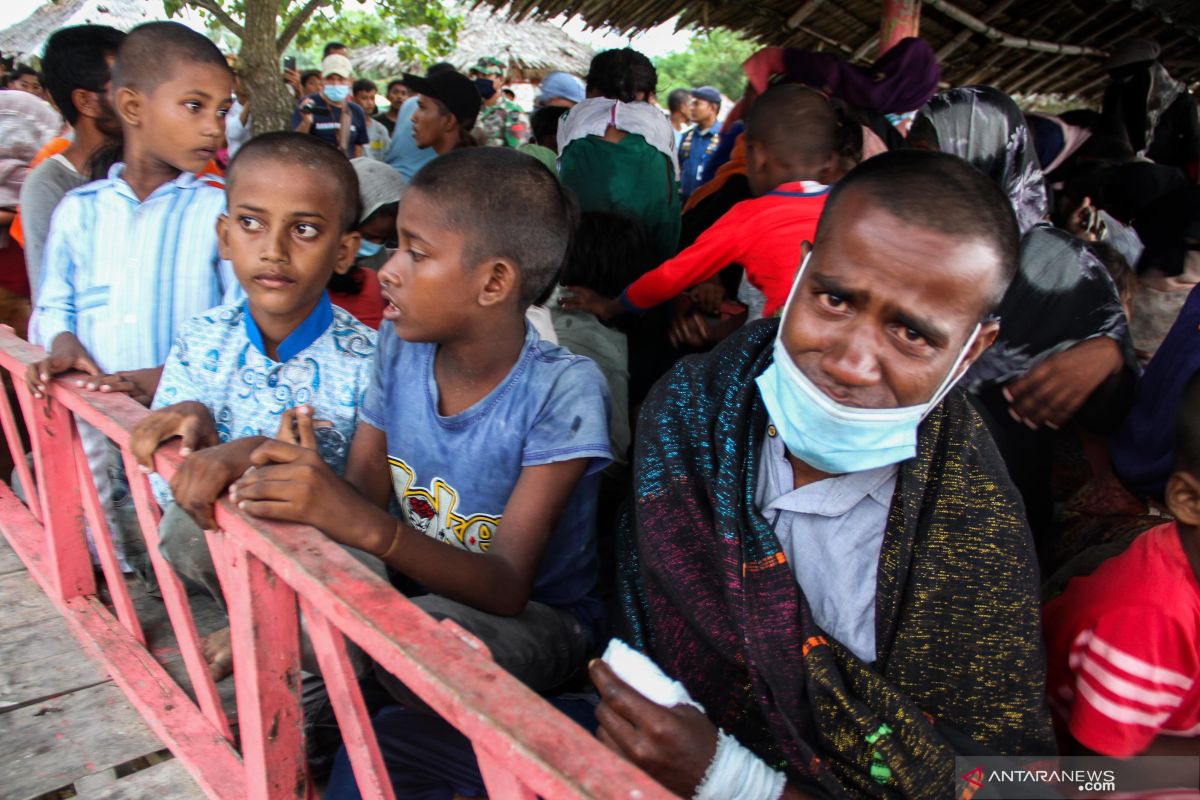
(1151, 111)
(1064, 350)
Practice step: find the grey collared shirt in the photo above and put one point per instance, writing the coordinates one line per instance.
(831, 532)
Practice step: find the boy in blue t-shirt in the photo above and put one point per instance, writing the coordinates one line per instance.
(474, 471)
(278, 361)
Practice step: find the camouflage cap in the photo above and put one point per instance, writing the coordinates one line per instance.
(489, 65)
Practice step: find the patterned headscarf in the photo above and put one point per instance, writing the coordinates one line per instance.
(26, 123)
(984, 126)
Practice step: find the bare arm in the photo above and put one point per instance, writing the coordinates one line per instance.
(292, 484)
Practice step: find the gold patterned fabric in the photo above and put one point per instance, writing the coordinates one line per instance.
(709, 595)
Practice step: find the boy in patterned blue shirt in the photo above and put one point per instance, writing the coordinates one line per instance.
(284, 361)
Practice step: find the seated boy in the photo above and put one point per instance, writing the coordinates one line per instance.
(790, 138)
(1123, 643)
(473, 473)
(132, 257)
(285, 354)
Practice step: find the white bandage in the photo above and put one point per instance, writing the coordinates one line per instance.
(735, 773)
(644, 675)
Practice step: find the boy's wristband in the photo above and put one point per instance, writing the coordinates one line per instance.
(395, 541)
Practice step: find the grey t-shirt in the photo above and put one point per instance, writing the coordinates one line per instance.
(40, 193)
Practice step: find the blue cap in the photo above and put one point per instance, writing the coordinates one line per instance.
(708, 93)
(560, 84)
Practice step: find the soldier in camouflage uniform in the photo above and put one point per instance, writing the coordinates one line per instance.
(502, 123)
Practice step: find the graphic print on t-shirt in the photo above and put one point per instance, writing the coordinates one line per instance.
(432, 511)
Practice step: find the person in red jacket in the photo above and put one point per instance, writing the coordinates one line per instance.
(790, 140)
(1123, 643)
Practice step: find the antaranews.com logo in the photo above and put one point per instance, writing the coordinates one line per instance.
(1051, 777)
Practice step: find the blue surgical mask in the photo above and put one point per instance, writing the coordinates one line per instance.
(337, 94)
(836, 438)
(367, 249)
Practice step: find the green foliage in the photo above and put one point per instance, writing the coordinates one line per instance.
(421, 30)
(711, 59)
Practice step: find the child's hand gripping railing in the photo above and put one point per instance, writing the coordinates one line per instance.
(269, 573)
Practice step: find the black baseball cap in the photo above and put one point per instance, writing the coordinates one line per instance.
(454, 90)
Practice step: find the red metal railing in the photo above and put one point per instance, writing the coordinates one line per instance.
(269, 573)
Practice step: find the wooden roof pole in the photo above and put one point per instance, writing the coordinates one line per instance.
(1043, 82)
(962, 36)
(1084, 88)
(900, 20)
(804, 12)
(1002, 51)
(1005, 40)
(1028, 79)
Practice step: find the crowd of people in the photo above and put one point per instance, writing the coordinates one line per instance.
(866, 412)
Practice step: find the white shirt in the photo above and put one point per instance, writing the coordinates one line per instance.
(595, 115)
(831, 532)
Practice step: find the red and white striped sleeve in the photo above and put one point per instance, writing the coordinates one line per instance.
(1133, 676)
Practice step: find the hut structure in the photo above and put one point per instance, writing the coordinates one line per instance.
(1025, 47)
(27, 37)
(531, 48)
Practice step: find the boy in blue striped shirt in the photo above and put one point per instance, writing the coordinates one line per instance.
(131, 258)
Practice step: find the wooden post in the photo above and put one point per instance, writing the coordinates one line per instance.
(265, 631)
(901, 19)
(54, 461)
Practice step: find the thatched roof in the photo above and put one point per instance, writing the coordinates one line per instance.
(27, 37)
(851, 27)
(530, 48)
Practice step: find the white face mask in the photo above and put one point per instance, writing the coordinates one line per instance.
(837, 438)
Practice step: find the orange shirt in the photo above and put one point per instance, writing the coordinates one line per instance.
(51, 148)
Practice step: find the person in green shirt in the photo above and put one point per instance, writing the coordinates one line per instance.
(502, 123)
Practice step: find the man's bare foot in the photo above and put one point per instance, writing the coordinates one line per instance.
(217, 648)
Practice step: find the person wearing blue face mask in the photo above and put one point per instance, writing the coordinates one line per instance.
(357, 288)
(825, 549)
(330, 114)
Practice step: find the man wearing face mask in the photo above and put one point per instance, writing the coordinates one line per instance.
(330, 114)
(824, 548)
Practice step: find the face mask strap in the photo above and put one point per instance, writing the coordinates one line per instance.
(951, 376)
(795, 287)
